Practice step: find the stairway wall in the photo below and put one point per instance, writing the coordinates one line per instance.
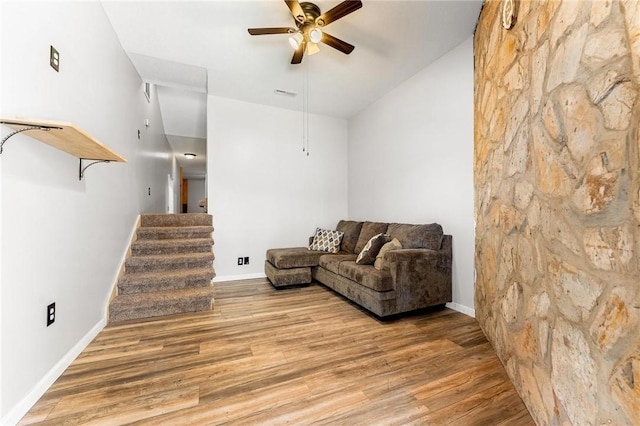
(63, 240)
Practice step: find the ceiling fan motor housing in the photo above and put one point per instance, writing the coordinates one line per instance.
(311, 11)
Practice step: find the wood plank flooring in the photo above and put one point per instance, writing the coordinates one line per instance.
(296, 356)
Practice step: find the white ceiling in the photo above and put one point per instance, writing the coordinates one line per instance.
(199, 47)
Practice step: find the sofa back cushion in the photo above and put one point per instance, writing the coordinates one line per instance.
(351, 231)
(417, 236)
(369, 229)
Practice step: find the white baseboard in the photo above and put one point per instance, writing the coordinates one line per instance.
(133, 233)
(239, 277)
(16, 413)
(462, 309)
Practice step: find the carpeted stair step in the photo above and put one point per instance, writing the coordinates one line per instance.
(169, 269)
(146, 282)
(181, 219)
(171, 246)
(145, 305)
(168, 262)
(167, 232)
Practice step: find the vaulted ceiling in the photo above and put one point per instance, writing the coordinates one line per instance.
(191, 49)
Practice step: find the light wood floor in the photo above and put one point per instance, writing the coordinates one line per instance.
(296, 356)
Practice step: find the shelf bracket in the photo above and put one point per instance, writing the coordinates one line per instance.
(82, 169)
(15, 132)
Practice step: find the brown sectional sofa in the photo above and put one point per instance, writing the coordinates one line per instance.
(414, 277)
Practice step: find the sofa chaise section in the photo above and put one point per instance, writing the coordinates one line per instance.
(290, 266)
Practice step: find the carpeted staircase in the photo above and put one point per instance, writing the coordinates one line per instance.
(169, 270)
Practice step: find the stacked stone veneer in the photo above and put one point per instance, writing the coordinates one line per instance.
(556, 166)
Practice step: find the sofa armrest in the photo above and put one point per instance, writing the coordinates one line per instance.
(421, 277)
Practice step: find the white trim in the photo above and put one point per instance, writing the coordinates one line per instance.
(1, 285)
(14, 415)
(462, 309)
(133, 236)
(239, 277)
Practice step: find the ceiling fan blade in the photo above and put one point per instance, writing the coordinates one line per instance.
(263, 31)
(296, 10)
(336, 43)
(297, 55)
(343, 9)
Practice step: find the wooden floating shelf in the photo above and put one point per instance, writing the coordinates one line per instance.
(66, 137)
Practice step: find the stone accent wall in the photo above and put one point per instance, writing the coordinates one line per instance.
(556, 166)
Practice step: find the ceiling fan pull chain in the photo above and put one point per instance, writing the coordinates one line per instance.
(306, 72)
(304, 120)
(304, 124)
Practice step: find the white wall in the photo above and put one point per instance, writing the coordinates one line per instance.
(264, 192)
(410, 159)
(1, 239)
(1, 221)
(173, 188)
(63, 240)
(196, 193)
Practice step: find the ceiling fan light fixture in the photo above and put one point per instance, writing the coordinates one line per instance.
(312, 49)
(296, 40)
(315, 35)
(190, 155)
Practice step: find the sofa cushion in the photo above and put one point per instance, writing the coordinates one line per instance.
(367, 276)
(295, 257)
(287, 277)
(417, 236)
(380, 263)
(351, 231)
(369, 229)
(368, 254)
(326, 240)
(332, 262)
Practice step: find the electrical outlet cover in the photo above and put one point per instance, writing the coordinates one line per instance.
(51, 314)
(54, 59)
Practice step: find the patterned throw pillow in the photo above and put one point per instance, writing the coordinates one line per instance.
(326, 240)
(370, 251)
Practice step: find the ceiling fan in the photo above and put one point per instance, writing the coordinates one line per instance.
(310, 23)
